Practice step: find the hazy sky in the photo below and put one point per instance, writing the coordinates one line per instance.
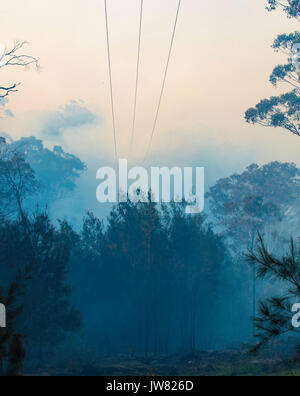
(220, 67)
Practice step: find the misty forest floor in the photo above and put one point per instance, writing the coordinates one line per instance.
(225, 363)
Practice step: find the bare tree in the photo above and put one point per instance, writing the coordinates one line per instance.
(15, 57)
(17, 180)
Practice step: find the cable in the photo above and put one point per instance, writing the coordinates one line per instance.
(137, 76)
(110, 79)
(164, 81)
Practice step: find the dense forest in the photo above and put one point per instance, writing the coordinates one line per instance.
(148, 280)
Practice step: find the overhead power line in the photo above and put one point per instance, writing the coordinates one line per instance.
(137, 76)
(164, 81)
(110, 80)
(137, 80)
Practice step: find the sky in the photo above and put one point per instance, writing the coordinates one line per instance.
(220, 67)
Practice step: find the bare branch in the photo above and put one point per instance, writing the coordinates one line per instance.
(13, 57)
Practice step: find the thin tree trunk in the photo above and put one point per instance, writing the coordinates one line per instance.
(254, 299)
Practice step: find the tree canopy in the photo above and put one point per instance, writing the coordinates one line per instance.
(290, 7)
(56, 170)
(245, 203)
(282, 111)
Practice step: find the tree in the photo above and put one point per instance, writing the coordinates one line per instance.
(155, 277)
(275, 314)
(55, 170)
(33, 246)
(282, 111)
(245, 203)
(17, 180)
(290, 7)
(12, 350)
(256, 200)
(197, 255)
(287, 74)
(44, 252)
(133, 251)
(15, 58)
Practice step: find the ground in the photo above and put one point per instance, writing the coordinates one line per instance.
(212, 363)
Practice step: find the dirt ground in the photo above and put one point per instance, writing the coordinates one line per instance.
(212, 363)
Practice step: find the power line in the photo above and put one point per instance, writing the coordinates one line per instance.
(164, 81)
(137, 76)
(110, 79)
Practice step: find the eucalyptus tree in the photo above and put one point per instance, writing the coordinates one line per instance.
(284, 110)
(290, 7)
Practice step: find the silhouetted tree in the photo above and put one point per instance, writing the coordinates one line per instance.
(12, 350)
(275, 314)
(152, 272)
(17, 180)
(197, 256)
(45, 250)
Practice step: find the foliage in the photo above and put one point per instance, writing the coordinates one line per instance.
(12, 350)
(45, 251)
(288, 73)
(154, 267)
(246, 203)
(282, 111)
(290, 7)
(34, 258)
(17, 180)
(275, 318)
(56, 170)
